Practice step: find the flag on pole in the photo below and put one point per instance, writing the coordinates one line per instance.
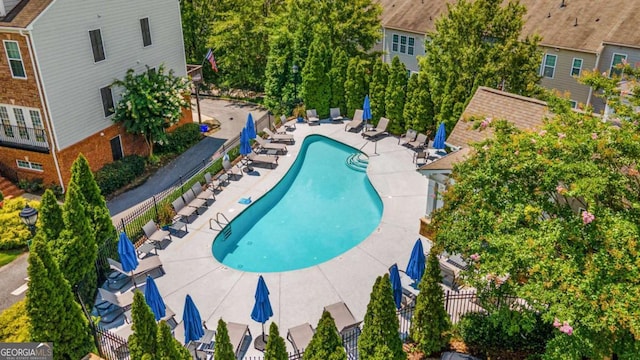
(212, 60)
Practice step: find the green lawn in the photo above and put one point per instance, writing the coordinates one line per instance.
(7, 256)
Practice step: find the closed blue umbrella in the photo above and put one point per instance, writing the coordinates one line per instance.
(262, 309)
(366, 110)
(438, 140)
(251, 127)
(128, 256)
(154, 299)
(415, 267)
(245, 144)
(193, 329)
(396, 285)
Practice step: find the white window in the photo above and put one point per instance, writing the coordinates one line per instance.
(37, 124)
(549, 65)
(615, 60)
(403, 44)
(146, 32)
(7, 129)
(23, 164)
(23, 122)
(22, 125)
(15, 59)
(576, 67)
(574, 104)
(96, 45)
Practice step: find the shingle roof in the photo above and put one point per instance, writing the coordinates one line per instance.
(416, 16)
(447, 162)
(24, 13)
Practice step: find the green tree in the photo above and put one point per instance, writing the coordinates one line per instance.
(381, 324)
(50, 217)
(223, 349)
(76, 250)
(14, 233)
(378, 89)
(551, 216)
(395, 96)
(430, 321)
(478, 43)
(326, 342)
(168, 347)
(197, 18)
(15, 323)
(144, 339)
(276, 348)
(337, 76)
(418, 108)
(151, 102)
(55, 316)
(621, 97)
(280, 85)
(316, 85)
(356, 87)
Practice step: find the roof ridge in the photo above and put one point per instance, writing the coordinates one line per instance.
(512, 95)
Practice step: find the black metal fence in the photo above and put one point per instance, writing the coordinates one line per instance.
(110, 345)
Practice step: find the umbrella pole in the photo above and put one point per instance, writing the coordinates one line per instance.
(133, 278)
(262, 331)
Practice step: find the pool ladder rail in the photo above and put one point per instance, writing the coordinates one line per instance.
(226, 230)
(358, 161)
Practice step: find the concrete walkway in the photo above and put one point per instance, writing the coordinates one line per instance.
(299, 296)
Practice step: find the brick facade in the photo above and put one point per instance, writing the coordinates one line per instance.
(22, 92)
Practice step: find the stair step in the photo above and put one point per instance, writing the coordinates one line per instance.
(9, 189)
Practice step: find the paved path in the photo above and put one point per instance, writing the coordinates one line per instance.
(12, 283)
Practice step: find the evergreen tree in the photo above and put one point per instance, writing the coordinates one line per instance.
(51, 223)
(77, 251)
(338, 75)
(144, 339)
(430, 321)
(276, 348)
(418, 109)
(280, 87)
(383, 352)
(167, 347)
(95, 205)
(223, 350)
(326, 342)
(316, 85)
(378, 88)
(395, 96)
(381, 323)
(356, 86)
(55, 316)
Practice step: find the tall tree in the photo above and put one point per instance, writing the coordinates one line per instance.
(622, 98)
(197, 18)
(552, 216)
(150, 102)
(430, 320)
(395, 95)
(477, 43)
(356, 87)
(51, 223)
(280, 87)
(168, 347)
(316, 85)
(144, 340)
(276, 349)
(378, 89)
(337, 76)
(326, 343)
(418, 109)
(381, 324)
(223, 349)
(55, 316)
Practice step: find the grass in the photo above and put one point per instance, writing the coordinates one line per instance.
(7, 256)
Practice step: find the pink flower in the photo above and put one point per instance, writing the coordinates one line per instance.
(587, 217)
(562, 135)
(542, 132)
(561, 189)
(556, 323)
(474, 257)
(566, 328)
(594, 136)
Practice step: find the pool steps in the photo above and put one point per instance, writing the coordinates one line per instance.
(358, 162)
(226, 230)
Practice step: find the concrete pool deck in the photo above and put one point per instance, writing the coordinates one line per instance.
(299, 296)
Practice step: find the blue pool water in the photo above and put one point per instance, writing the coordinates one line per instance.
(320, 209)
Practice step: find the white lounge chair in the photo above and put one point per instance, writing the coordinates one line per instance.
(356, 122)
(279, 137)
(264, 145)
(381, 128)
(312, 117)
(145, 266)
(122, 300)
(300, 337)
(334, 114)
(287, 125)
(419, 143)
(342, 315)
(271, 160)
(407, 137)
(231, 170)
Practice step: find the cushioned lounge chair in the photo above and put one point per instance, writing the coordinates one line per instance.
(312, 117)
(345, 321)
(300, 337)
(232, 171)
(380, 129)
(264, 145)
(355, 123)
(271, 160)
(419, 143)
(154, 234)
(279, 137)
(287, 125)
(407, 137)
(334, 114)
(145, 266)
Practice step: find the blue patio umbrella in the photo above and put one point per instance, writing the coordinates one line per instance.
(245, 144)
(262, 309)
(193, 329)
(438, 140)
(366, 110)
(154, 299)
(415, 267)
(251, 127)
(128, 256)
(396, 285)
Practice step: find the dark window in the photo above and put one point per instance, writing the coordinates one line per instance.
(96, 45)
(146, 34)
(116, 148)
(107, 101)
(394, 44)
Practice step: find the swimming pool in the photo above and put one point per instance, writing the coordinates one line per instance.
(321, 208)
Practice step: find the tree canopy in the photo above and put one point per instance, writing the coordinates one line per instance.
(326, 343)
(276, 348)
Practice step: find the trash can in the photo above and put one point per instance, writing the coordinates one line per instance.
(204, 128)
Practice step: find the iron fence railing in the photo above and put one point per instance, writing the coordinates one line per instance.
(23, 137)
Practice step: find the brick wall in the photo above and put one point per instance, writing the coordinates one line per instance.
(23, 92)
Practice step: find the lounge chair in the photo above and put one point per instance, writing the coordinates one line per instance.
(408, 288)
(407, 137)
(300, 337)
(355, 123)
(279, 137)
(381, 128)
(169, 317)
(154, 234)
(204, 344)
(271, 160)
(145, 266)
(205, 195)
(287, 125)
(345, 321)
(183, 211)
(312, 117)
(212, 183)
(231, 170)
(121, 300)
(275, 147)
(334, 114)
(419, 143)
(240, 338)
(191, 201)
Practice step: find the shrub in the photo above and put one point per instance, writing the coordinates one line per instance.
(180, 139)
(31, 185)
(13, 233)
(14, 323)
(115, 175)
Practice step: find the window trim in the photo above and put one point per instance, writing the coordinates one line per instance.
(573, 61)
(30, 165)
(142, 28)
(613, 57)
(104, 52)
(574, 104)
(105, 110)
(6, 52)
(544, 65)
(397, 44)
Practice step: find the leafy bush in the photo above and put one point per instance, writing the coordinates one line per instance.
(115, 175)
(180, 139)
(505, 329)
(13, 233)
(14, 323)
(31, 185)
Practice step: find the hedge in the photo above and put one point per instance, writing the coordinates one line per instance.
(119, 173)
(180, 139)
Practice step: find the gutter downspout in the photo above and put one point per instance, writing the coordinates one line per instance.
(45, 103)
(596, 68)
